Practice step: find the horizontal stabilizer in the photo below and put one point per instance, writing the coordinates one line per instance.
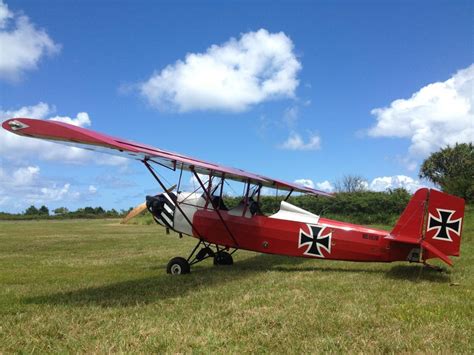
(436, 252)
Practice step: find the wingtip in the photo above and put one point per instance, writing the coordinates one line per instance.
(15, 124)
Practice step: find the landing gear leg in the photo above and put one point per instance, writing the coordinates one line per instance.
(221, 256)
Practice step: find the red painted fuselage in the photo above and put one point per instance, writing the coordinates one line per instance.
(336, 240)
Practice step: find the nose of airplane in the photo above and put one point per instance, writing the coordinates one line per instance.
(155, 204)
(162, 208)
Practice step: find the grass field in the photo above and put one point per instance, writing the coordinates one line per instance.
(98, 286)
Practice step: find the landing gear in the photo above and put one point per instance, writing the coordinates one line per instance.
(178, 266)
(221, 256)
(204, 253)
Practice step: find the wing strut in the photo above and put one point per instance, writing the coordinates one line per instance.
(289, 194)
(206, 191)
(145, 161)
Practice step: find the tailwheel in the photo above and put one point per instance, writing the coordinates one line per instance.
(223, 258)
(178, 266)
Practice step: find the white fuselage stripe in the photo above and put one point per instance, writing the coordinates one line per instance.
(168, 209)
(168, 198)
(165, 217)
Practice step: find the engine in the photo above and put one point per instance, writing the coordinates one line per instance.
(162, 208)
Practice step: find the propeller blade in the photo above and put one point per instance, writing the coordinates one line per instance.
(140, 208)
(171, 188)
(133, 213)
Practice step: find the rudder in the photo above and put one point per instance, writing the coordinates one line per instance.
(444, 220)
(432, 220)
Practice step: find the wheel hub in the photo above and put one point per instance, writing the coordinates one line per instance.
(176, 269)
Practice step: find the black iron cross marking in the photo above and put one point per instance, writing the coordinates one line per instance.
(315, 241)
(444, 225)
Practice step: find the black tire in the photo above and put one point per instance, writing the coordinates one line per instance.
(223, 258)
(178, 266)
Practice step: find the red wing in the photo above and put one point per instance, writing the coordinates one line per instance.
(72, 135)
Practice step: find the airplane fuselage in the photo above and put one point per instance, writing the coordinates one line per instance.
(291, 231)
(323, 238)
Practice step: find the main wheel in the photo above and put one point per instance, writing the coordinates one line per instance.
(223, 258)
(178, 266)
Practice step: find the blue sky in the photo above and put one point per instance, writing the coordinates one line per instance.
(345, 63)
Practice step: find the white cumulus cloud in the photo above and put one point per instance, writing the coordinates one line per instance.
(23, 186)
(13, 146)
(323, 186)
(24, 176)
(305, 182)
(438, 114)
(53, 193)
(296, 142)
(384, 183)
(194, 183)
(233, 76)
(22, 45)
(81, 120)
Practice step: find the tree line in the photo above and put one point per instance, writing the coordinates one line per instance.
(364, 207)
(451, 169)
(357, 207)
(34, 212)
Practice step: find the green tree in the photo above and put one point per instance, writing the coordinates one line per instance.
(43, 210)
(31, 211)
(112, 212)
(99, 210)
(61, 210)
(89, 210)
(452, 169)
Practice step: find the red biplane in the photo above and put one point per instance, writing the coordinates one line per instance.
(430, 226)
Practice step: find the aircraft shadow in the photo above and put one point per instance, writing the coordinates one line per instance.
(418, 273)
(163, 286)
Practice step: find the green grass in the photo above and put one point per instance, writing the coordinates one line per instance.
(98, 286)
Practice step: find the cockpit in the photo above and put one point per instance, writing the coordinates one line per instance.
(249, 205)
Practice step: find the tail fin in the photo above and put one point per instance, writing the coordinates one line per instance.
(444, 222)
(432, 220)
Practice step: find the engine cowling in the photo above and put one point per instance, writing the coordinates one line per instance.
(162, 207)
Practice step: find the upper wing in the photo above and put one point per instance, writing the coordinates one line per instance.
(72, 135)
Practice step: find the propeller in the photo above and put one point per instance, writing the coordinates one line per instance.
(140, 208)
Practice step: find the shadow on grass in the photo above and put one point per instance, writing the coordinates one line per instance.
(328, 269)
(163, 286)
(418, 273)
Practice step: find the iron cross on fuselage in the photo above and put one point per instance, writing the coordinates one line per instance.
(315, 241)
